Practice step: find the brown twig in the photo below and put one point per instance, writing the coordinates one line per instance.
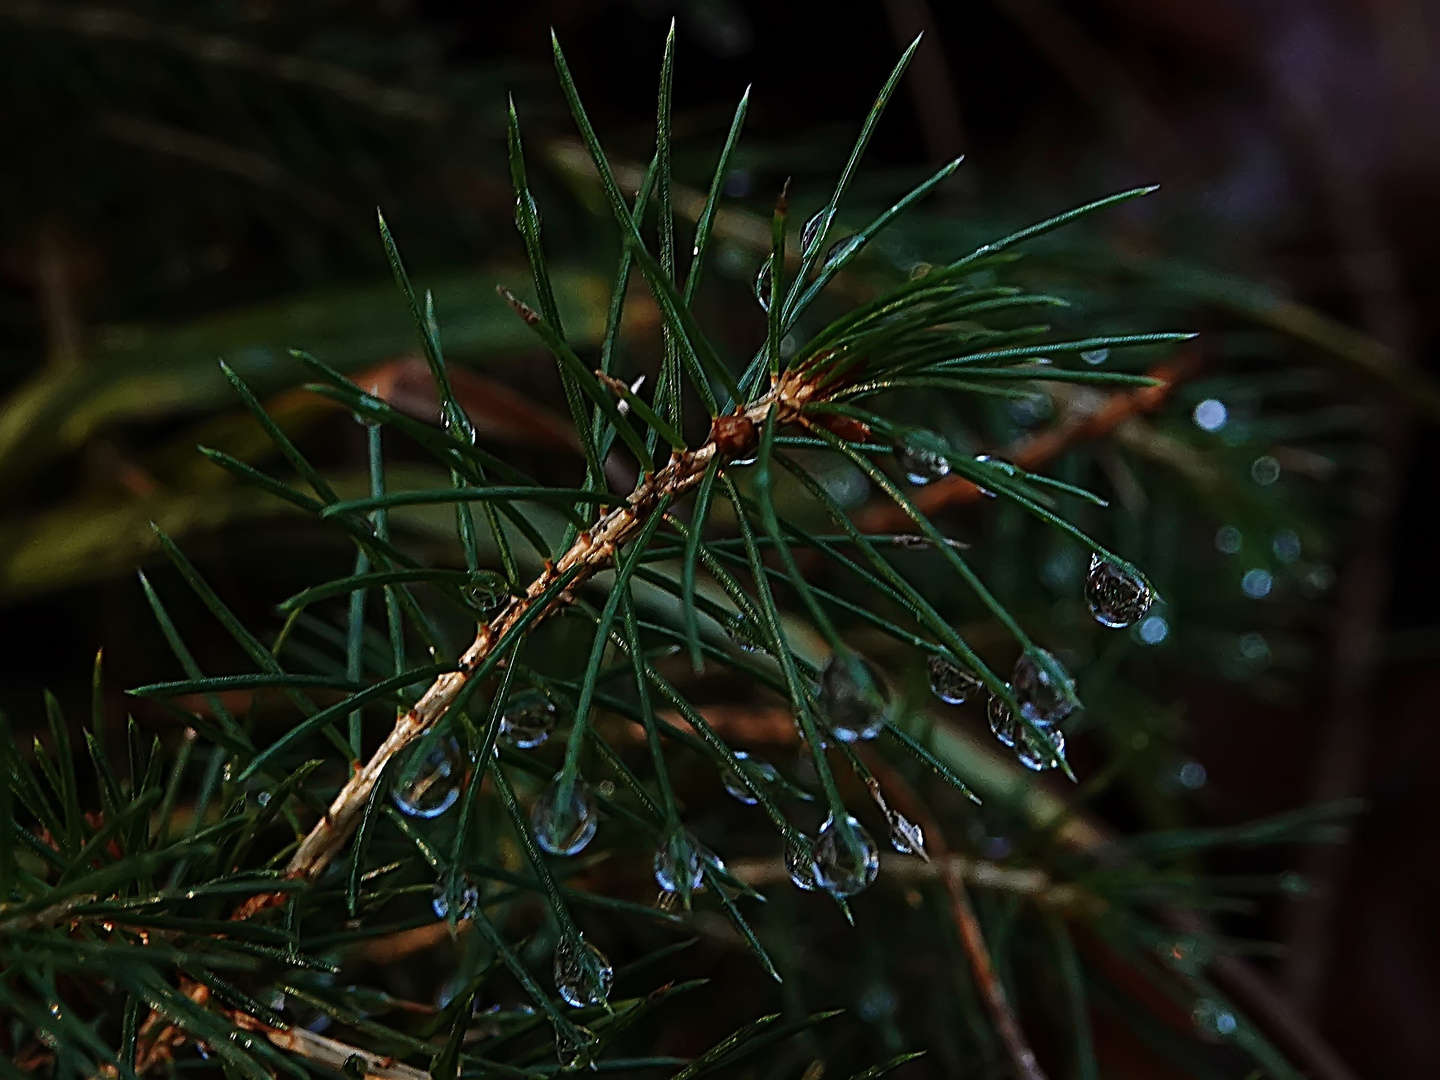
(1036, 450)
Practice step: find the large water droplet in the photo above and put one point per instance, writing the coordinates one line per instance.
(1034, 752)
(575, 1047)
(841, 249)
(564, 827)
(679, 865)
(469, 900)
(762, 285)
(1001, 718)
(924, 456)
(759, 772)
(1043, 688)
(800, 863)
(1095, 357)
(528, 719)
(582, 975)
(1117, 595)
(430, 782)
(950, 682)
(813, 234)
(853, 697)
(846, 859)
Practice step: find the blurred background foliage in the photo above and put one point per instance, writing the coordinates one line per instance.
(187, 182)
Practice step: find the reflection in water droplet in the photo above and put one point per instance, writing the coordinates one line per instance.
(800, 862)
(762, 285)
(950, 682)
(678, 865)
(814, 232)
(582, 975)
(1117, 595)
(1002, 720)
(564, 827)
(846, 859)
(1210, 415)
(575, 1048)
(430, 782)
(1043, 688)
(841, 249)
(524, 202)
(759, 772)
(1257, 583)
(924, 456)
(469, 899)
(853, 697)
(906, 836)
(1095, 357)
(1032, 750)
(528, 720)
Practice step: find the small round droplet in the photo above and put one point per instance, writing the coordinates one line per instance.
(564, 826)
(430, 783)
(528, 719)
(814, 231)
(1032, 751)
(1117, 595)
(523, 203)
(679, 867)
(1095, 357)
(950, 682)
(1043, 688)
(469, 900)
(924, 456)
(846, 859)
(853, 697)
(800, 863)
(759, 772)
(906, 836)
(582, 975)
(575, 1048)
(762, 285)
(1001, 718)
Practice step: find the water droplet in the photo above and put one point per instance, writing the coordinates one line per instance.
(1265, 470)
(430, 782)
(1210, 415)
(678, 864)
(853, 697)
(1117, 595)
(1213, 1019)
(841, 249)
(1043, 688)
(582, 975)
(950, 682)
(1286, 545)
(813, 234)
(759, 772)
(1000, 465)
(1257, 583)
(906, 837)
(484, 589)
(528, 720)
(564, 827)
(469, 899)
(846, 859)
(1153, 629)
(1034, 752)
(1229, 540)
(924, 456)
(800, 862)
(762, 285)
(1095, 357)
(523, 203)
(575, 1048)
(1001, 718)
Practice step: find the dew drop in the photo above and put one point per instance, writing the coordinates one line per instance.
(1032, 751)
(1001, 718)
(1118, 596)
(846, 859)
(762, 285)
(564, 826)
(1043, 688)
(800, 863)
(528, 719)
(906, 836)
(814, 231)
(1000, 465)
(430, 783)
(679, 867)
(759, 772)
(469, 900)
(924, 456)
(950, 682)
(575, 1048)
(523, 203)
(853, 697)
(842, 249)
(1095, 357)
(582, 975)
